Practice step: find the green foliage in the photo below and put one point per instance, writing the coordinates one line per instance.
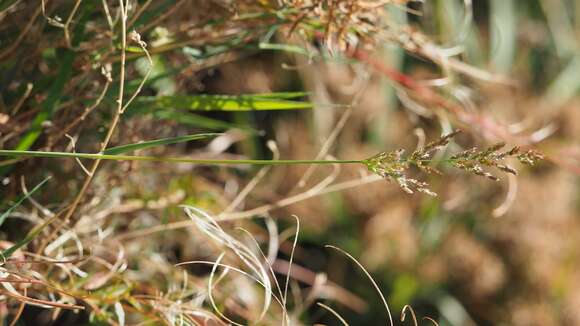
(223, 102)
(20, 200)
(157, 142)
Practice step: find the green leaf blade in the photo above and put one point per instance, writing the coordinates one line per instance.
(157, 142)
(20, 200)
(241, 103)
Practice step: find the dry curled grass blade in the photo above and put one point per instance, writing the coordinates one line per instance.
(373, 282)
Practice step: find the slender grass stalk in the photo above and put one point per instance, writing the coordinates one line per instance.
(90, 156)
(392, 165)
(121, 106)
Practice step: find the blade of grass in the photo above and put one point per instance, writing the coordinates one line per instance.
(27, 239)
(457, 27)
(5, 4)
(157, 142)
(55, 93)
(561, 27)
(503, 22)
(197, 120)
(394, 56)
(21, 199)
(49, 105)
(284, 48)
(64, 75)
(282, 95)
(566, 85)
(373, 282)
(222, 103)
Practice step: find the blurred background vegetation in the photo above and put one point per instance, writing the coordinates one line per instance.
(287, 79)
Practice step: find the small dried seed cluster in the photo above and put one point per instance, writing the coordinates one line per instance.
(344, 22)
(530, 157)
(422, 157)
(473, 160)
(394, 165)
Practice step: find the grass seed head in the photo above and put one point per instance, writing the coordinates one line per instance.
(530, 157)
(394, 165)
(344, 23)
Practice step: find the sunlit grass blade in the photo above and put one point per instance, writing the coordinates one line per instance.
(223, 103)
(196, 120)
(21, 199)
(282, 95)
(157, 142)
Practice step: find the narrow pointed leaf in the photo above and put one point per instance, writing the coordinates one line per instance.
(20, 200)
(157, 142)
(281, 95)
(261, 102)
(27, 239)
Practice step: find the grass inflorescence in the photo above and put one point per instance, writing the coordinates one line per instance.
(393, 165)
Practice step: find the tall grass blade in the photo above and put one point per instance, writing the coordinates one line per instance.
(29, 237)
(157, 142)
(282, 95)
(49, 105)
(284, 48)
(20, 200)
(222, 103)
(187, 118)
(504, 23)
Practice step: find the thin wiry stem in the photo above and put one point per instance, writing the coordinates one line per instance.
(19, 312)
(139, 12)
(114, 123)
(374, 283)
(210, 291)
(23, 98)
(68, 22)
(99, 157)
(413, 315)
(285, 298)
(83, 116)
(332, 311)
